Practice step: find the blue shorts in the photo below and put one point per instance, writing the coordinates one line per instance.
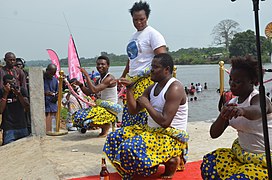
(14, 134)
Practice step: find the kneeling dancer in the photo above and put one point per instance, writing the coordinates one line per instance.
(139, 149)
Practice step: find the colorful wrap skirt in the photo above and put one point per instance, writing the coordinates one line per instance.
(105, 112)
(234, 163)
(140, 85)
(139, 149)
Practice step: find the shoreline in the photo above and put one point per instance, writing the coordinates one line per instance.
(78, 155)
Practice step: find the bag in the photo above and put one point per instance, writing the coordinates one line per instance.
(54, 99)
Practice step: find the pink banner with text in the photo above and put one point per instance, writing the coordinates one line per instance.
(73, 61)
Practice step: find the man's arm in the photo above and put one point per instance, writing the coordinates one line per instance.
(159, 50)
(109, 81)
(125, 70)
(3, 101)
(133, 106)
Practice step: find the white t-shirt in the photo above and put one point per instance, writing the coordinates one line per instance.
(140, 49)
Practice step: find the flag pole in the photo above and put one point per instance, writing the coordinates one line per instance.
(67, 23)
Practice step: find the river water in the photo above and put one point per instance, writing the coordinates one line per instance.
(205, 107)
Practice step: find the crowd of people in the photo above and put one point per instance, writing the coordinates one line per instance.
(194, 90)
(153, 129)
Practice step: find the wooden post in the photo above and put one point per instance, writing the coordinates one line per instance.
(61, 73)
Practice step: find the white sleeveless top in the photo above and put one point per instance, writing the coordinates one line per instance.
(110, 93)
(250, 132)
(181, 117)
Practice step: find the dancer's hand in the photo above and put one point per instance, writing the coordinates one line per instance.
(125, 82)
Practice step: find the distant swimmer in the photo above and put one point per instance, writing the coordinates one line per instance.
(205, 86)
(198, 88)
(192, 89)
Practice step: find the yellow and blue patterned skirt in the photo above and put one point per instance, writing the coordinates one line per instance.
(141, 118)
(139, 149)
(96, 115)
(234, 163)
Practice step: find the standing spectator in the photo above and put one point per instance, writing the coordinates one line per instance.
(20, 63)
(13, 103)
(72, 103)
(51, 94)
(11, 69)
(143, 45)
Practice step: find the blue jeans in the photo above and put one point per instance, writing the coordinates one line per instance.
(14, 134)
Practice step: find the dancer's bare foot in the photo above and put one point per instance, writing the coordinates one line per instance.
(181, 166)
(170, 168)
(105, 129)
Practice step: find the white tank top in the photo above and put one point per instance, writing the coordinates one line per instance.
(181, 117)
(110, 93)
(250, 132)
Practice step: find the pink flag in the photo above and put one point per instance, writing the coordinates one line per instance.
(55, 60)
(73, 61)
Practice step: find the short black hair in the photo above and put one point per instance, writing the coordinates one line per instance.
(51, 66)
(105, 58)
(138, 6)
(7, 77)
(9, 54)
(249, 64)
(165, 60)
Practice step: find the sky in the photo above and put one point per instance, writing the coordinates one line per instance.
(29, 27)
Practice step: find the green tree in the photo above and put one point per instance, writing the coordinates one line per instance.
(244, 43)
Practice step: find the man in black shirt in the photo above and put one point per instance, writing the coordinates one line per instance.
(13, 103)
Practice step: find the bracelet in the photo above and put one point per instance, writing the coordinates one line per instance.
(3, 99)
